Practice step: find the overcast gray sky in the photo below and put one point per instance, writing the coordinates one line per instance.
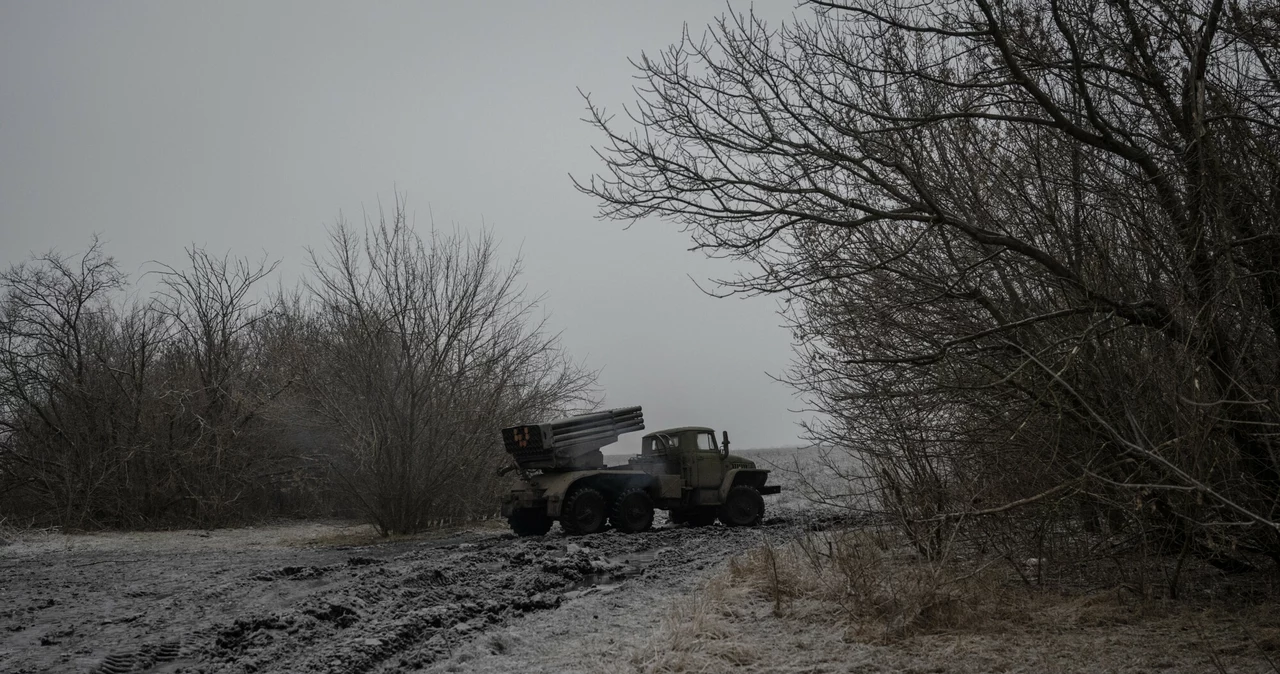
(247, 126)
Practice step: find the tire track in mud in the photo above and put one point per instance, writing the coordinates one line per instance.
(144, 659)
(408, 611)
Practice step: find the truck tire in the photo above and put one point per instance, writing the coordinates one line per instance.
(743, 507)
(529, 522)
(632, 511)
(583, 512)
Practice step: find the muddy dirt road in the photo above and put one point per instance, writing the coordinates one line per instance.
(264, 601)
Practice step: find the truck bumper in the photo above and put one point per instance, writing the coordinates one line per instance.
(770, 489)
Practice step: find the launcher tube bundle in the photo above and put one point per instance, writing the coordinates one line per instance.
(563, 443)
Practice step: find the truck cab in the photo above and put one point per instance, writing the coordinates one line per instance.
(692, 453)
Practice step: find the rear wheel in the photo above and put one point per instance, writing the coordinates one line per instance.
(529, 522)
(583, 512)
(743, 507)
(632, 511)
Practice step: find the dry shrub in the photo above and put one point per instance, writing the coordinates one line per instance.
(697, 634)
(870, 577)
(9, 531)
(1107, 608)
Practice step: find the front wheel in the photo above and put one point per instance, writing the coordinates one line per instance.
(743, 507)
(583, 512)
(529, 522)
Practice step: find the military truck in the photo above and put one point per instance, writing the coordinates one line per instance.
(681, 470)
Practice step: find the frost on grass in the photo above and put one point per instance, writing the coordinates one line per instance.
(861, 601)
(867, 578)
(697, 633)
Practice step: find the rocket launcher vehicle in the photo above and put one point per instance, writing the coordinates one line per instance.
(570, 443)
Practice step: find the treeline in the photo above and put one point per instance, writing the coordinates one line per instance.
(1029, 250)
(376, 387)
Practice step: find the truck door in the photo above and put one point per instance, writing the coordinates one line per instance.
(708, 466)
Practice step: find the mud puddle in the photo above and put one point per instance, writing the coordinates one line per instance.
(613, 571)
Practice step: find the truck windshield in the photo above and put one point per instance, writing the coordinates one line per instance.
(655, 443)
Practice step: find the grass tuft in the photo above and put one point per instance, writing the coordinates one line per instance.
(697, 634)
(868, 578)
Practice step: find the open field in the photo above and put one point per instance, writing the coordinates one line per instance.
(332, 597)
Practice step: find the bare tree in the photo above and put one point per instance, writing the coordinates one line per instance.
(124, 413)
(72, 377)
(1028, 248)
(213, 385)
(419, 349)
(206, 403)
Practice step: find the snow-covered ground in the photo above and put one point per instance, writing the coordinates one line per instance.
(324, 597)
(300, 597)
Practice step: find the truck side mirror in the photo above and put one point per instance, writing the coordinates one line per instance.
(724, 445)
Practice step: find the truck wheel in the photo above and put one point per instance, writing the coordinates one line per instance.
(633, 511)
(583, 512)
(529, 522)
(743, 507)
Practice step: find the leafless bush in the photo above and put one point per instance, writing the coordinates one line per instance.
(1027, 250)
(123, 414)
(417, 351)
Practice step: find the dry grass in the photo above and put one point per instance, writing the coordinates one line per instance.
(862, 600)
(697, 633)
(826, 593)
(868, 578)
